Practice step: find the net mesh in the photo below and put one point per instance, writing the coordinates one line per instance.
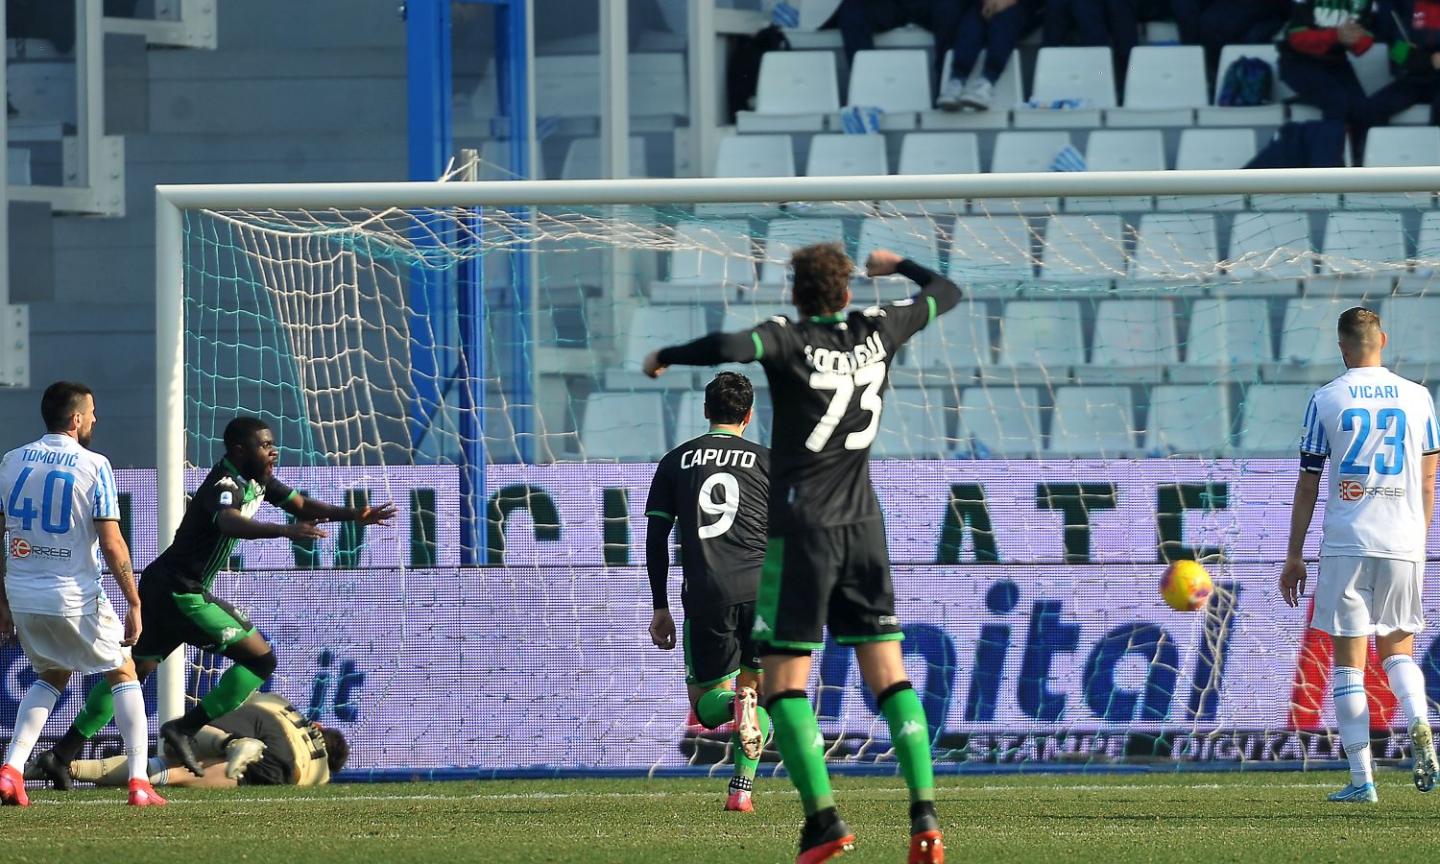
(1113, 393)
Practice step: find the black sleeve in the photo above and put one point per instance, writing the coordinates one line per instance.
(657, 560)
(277, 493)
(713, 349)
(937, 296)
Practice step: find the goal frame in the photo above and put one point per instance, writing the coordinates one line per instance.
(171, 200)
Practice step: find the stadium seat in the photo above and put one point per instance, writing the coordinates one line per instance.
(991, 250)
(653, 327)
(1023, 153)
(1362, 243)
(1271, 246)
(1412, 323)
(958, 341)
(785, 236)
(1271, 114)
(936, 153)
(1176, 247)
(1372, 68)
(1042, 333)
(1009, 92)
(1135, 333)
(1092, 421)
(912, 425)
(690, 419)
(846, 156)
(1000, 422)
(582, 160)
(1308, 339)
(1164, 85)
(1086, 74)
(623, 426)
(1229, 333)
(1427, 254)
(1210, 150)
(750, 156)
(796, 91)
(1172, 428)
(1270, 418)
(743, 316)
(906, 237)
(713, 253)
(657, 84)
(1083, 249)
(897, 82)
(1398, 147)
(1120, 150)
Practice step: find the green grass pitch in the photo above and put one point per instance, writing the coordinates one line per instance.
(1049, 818)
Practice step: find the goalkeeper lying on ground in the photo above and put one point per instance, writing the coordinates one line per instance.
(264, 742)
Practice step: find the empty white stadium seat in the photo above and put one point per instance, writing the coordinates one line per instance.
(1308, 335)
(582, 159)
(1187, 420)
(1023, 153)
(1270, 418)
(1043, 333)
(912, 425)
(1000, 421)
(958, 340)
(1211, 150)
(651, 328)
(717, 251)
(937, 153)
(1083, 248)
(787, 235)
(795, 92)
(690, 419)
(755, 156)
(1135, 333)
(1164, 85)
(1362, 242)
(1228, 332)
(896, 81)
(623, 426)
(1120, 150)
(846, 156)
(991, 249)
(908, 238)
(1412, 324)
(1398, 147)
(1071, 73)
(1093, 421)
(1175, 246)
(1271, 246)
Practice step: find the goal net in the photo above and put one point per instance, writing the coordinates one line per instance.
(1121, 387)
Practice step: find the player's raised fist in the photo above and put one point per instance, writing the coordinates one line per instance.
(882, 262)
(375, 515)
(651, 366)
(304, 530)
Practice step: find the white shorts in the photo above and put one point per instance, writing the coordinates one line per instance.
(88, 644)
(1368, 596)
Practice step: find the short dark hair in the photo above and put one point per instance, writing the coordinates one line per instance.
(239, 431)
(1359, 327)
(728, 398)
(337, 749)
(821, 278)
(60, 401)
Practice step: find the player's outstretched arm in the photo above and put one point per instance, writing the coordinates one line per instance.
(310, 509)
(1294, 575)
(712, 349)
(233, 523)
(117, 558)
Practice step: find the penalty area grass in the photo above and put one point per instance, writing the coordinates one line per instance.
(1102, 818)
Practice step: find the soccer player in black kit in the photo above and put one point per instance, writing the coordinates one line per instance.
(716, 488)
(175, 591)
(826, 562)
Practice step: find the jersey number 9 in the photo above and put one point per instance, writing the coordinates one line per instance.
(726, 508)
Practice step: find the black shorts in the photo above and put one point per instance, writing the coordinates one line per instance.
(718, 644)
(178, 611)
(831, 576)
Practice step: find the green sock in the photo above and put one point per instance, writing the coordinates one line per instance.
(911, 737)
(715, 707)
(99, 708)
(231, 691)
(744, 765)
(803, 751)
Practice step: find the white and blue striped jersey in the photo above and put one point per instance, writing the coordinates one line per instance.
(54, 491)
(1375, 428)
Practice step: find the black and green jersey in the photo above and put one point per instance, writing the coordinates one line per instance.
(715, 488)
(200, 549)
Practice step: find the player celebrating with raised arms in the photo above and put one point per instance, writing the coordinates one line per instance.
(826, 561)
(715, 488)
(60, 507)
(175, 589)
(1372, 552)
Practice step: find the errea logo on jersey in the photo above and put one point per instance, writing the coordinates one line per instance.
(19, 548)
(1351, 490)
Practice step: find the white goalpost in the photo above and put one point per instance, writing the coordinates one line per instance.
(1117, 390)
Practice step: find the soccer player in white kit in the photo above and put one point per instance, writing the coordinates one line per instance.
(1380, 433)
(60, 509)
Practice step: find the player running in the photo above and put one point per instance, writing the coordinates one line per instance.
(175, 589)
(265, 742)
(60, 508)
(716, 487)
(1372, 552)
(826, 561)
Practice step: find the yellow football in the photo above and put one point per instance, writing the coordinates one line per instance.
(1186, 586)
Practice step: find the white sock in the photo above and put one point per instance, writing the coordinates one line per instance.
(134, 730)
(30, 718)
(1408, 685)
(1352, 710)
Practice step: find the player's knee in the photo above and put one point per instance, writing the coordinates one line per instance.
(263, 666)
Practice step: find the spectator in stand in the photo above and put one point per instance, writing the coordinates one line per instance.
(1115, 23)
(859, 21)
(994, 26)
(1414, 33)
(1313, 60)
(1217, 23)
